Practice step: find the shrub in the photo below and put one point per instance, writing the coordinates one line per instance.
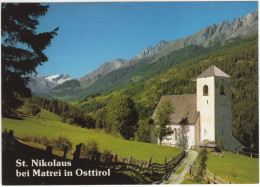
(106, 156)
(202, 162)
(30, 109)
(70, 121)
(27, 137)
(61, 142)
(220, 143)
(90, 149)
(45, 141)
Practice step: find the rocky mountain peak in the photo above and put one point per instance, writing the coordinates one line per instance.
(40, 85)
(149, 51)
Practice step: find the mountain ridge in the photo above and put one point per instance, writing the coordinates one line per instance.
(206, 37)
(42, 84)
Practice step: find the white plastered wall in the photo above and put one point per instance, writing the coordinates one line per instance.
(173, 141)
(206, 107)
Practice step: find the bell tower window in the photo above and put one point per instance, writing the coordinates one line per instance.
(222, 90)
(205, 90)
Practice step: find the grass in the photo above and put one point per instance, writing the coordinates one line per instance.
(188, 179)
(49, 115)
(124, 148)
(238, 169)
(180, 169)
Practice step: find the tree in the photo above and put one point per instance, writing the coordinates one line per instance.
(202, 162)
(22, 49)
(89, 122)
(162, 120)
(30, 109)
(183, 138)
(143, 132)
(122, 116)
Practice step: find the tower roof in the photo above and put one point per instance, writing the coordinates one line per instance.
(213, 71)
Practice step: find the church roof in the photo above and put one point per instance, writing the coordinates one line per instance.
(213, 71)
(185, 106)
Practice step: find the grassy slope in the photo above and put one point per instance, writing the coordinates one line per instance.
(238, 169)
(40, 126)
(50, 116)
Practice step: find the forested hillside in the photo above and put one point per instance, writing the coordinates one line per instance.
(238, 58)
(142, 70)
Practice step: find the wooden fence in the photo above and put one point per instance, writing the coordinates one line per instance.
(149, 169)
(249, 154)
(142, 169)
(209, 176)
(214, 179)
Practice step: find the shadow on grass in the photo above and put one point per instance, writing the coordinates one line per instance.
(13, 150)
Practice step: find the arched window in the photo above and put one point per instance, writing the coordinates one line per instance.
(222, 90)
(205, 90)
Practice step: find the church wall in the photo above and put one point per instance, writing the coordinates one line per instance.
(223, 113)
(173, 140)
(206, 107)
(197, 130)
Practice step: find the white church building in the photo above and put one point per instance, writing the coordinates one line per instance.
(207, 115)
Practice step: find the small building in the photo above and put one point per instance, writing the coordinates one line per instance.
(204, 116)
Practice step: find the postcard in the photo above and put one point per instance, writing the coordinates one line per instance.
(129, 93)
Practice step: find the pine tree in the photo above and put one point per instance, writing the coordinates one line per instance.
(22, 49)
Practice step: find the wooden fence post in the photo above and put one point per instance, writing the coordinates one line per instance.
(165, 161)
(130, 161)
(251, 155)
(115, 162)
(122, 165)
(76, 154)
(98, 156)
(190, 170)
(141, 167)
(149, 163)
(49, 149)
(65, 151)
(11, 133)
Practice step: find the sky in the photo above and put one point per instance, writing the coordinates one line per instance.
(93, 33)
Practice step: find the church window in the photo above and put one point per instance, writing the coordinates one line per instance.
(222, 91)
(205, 90)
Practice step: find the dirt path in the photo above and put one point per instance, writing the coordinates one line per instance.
(178, 176)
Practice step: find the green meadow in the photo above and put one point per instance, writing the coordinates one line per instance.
(49, 115)
(234, 168)
(42, 125)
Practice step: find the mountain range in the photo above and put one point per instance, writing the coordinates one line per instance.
(147, 63)
(40, 85)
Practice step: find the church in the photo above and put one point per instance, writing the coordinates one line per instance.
(206, 115)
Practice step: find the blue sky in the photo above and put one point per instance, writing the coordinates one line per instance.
(93, 33)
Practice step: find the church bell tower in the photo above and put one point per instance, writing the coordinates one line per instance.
(214, 105)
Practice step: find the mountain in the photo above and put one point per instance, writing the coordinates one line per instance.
(216, 33)
(41, 85)
(102, 70)
(155, 60)
(149, 51)
(208, 36)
